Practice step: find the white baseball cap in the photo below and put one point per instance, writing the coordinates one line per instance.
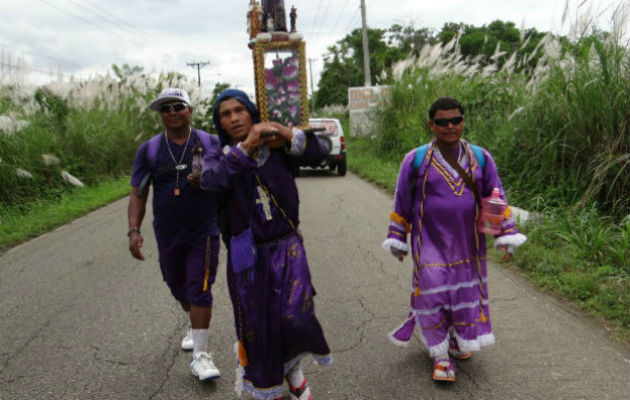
(168, 95)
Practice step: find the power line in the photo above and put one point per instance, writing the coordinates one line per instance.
(38, 54)
(322, 22)
(29, 68)
(199, 65)
(122, 22)
(356, 16)
(314, 24)
(115, 21)
(85, 20)
(341, 15)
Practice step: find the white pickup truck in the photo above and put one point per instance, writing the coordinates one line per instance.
(333, 136)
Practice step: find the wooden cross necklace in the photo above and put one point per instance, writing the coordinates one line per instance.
(178, 165)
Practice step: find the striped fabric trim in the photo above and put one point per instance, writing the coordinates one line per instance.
(453, 264)
(456, 187)
(449, 288)
(399, 234)
(397, 218)
(438, 326)
(475, 344)
(456, 307)
(206, 275)
(298, 143)
(262, 393)
(397, 225)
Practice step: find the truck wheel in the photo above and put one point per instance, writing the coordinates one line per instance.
(341, 167)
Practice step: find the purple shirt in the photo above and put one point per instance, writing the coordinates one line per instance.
(176, 219)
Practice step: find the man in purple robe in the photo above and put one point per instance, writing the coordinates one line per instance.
(440, 208)
(268, 273)
(184, 220)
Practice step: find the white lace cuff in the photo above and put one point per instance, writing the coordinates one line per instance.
(511, 241)
(397, 244)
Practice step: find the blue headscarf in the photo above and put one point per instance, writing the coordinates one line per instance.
(241, 97)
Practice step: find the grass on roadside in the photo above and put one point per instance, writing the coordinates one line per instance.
(363, 163)
(584, 258)
(19, 223)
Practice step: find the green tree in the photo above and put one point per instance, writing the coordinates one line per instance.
(343, 65)
(498, 36)
(406, 40)
(126, 71)
(205, 120)
(491, 44)
(218, 88)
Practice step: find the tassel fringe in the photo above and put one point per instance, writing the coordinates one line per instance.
(242, 355)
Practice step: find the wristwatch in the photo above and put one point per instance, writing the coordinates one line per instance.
(133, 229)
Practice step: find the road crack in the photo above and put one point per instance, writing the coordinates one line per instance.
(170, 358)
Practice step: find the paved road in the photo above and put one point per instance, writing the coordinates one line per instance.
(80, 319)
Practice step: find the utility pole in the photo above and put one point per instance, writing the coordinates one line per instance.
(366, 49)
(310, 65)
(199, 65)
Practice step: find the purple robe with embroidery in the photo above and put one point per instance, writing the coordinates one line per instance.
(272, 300)
(449, 283)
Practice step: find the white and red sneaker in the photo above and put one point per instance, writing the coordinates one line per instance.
(301, 393)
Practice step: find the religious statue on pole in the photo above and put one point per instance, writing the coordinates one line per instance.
(274, 16)
(279, 65)
(254, 19)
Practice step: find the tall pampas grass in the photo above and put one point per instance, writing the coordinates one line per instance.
(70, 133)
(566, 118)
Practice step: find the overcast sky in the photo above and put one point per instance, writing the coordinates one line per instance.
(83, 38)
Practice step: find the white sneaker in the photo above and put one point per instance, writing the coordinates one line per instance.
(187, 341)
(203, 367)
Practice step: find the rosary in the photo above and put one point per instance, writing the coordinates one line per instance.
(178, 165)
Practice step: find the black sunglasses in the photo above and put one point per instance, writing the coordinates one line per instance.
(166, 108)
(443, 122)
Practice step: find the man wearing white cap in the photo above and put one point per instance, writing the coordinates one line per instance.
(184, 219)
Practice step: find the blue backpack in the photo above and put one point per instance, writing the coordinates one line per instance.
(421, 152)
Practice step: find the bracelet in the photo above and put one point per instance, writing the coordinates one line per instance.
(133, 229)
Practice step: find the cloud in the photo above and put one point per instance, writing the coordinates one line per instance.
(86, 37)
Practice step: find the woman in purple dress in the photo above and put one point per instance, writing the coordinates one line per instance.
(268, 274)
(439, 205)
